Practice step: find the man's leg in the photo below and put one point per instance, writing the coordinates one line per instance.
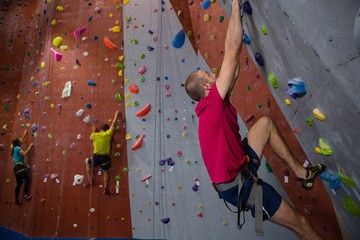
(89, 166)
(106, 182)
(265, 131)
(288, 217)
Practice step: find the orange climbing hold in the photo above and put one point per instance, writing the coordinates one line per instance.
(109, 44)
(138, 143)
(145, 110)
(133, 88)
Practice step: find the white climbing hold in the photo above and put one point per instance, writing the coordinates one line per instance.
(67, 90)
(80, 112)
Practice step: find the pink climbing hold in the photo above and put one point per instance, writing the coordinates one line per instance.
(200, 215)
(78, 31)
(57, 55)
(142, 70)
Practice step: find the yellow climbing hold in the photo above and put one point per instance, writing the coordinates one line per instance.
(42, 64)
(287, 102)
(53, 22)
(179, 13)
(116, 29)
(128, 136)
(126, 80)
(264, 30)
(125, 2)
(52, 106)
(64, 48)
(121, 57)
(318, 150)
(128, 104)
(120, 73)
(47, 83)
(59, 8)
(189, 33)
(212, 38)
(127, 96)
(318, 114)
(206, 55)
(207, 17)
(57, 41)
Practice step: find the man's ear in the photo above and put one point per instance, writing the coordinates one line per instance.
(206, 85)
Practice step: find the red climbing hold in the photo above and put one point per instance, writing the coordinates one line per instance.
(133, 88)
(109, 44)
(145, 110)
(138, 143)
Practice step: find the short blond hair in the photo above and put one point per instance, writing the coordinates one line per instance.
(193, 86)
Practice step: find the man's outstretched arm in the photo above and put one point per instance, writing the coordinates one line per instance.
(233, 43)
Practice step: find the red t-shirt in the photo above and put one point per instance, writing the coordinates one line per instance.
(219, 137)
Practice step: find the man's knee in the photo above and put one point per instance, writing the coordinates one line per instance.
(265, 120)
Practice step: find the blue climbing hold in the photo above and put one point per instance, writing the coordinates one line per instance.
(179, 39)
(165, 220)
(246, 39)
(206, 4)
(296, 88)
(247, 7)
(91, 83)
(259, 59)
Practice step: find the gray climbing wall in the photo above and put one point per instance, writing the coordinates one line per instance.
(313, 40)
(170, 131)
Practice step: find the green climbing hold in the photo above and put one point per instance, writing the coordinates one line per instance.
(128, 18)
(346, 180)
(118, 97)
(310, 121)
(324, 147)
(142, 79)
(134, 41)
(28, 53)
(351, 206)
(6, 108)
(125, 170)
(120, 66)
(117, 177)
(136, 103)
(268, 167)
(259, 105)
(5, 67)
(264, 30)
(142, 56)
(221, 19)
(272, 79)
(248, 87)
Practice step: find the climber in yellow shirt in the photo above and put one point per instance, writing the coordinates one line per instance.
(101, 155)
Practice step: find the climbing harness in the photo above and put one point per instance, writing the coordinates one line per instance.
(255, 197)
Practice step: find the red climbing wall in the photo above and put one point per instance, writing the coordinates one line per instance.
(250, 96)
(34, 82)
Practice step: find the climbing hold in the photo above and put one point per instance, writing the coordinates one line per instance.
(80, 112)
(296, 88)
(78, 31)
(92, 210)
(138, 143)
(58, 56)
(64, 48)
(346, 180)
(317, 150)
(97, 9)
(318, 114)
(206, 4)
(310, 122)
(179, 39)
(221, 19)
(118, 97)
(91, 83)
(207, 17)
(259, 59)
(78, 179)
(165, 220)
(351, 206)
(149, 48)
(324, 147)
(133, 88)
(246, 39)
(75, 225)
(146, 179)
(264, 30)
(272, 79)
(144, 111)
(42, 65)
(333, 179)
(59, 8)
(67, 90)
(287, 102)
(134, 41)
(115, 29)
(57, 41)
(249, 118)
(142, 70)
(200, 215)
(247, 7)
(109, 44)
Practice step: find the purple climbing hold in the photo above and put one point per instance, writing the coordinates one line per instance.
(195, 188)
(259, 59)
(247, 7)
(179, 39)
(149, 48)
(165, 220)
(170, 162)
(162, 162)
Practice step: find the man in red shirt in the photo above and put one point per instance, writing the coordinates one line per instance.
(225, 155)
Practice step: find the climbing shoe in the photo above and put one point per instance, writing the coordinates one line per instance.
(312, 173)
(27, 198)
